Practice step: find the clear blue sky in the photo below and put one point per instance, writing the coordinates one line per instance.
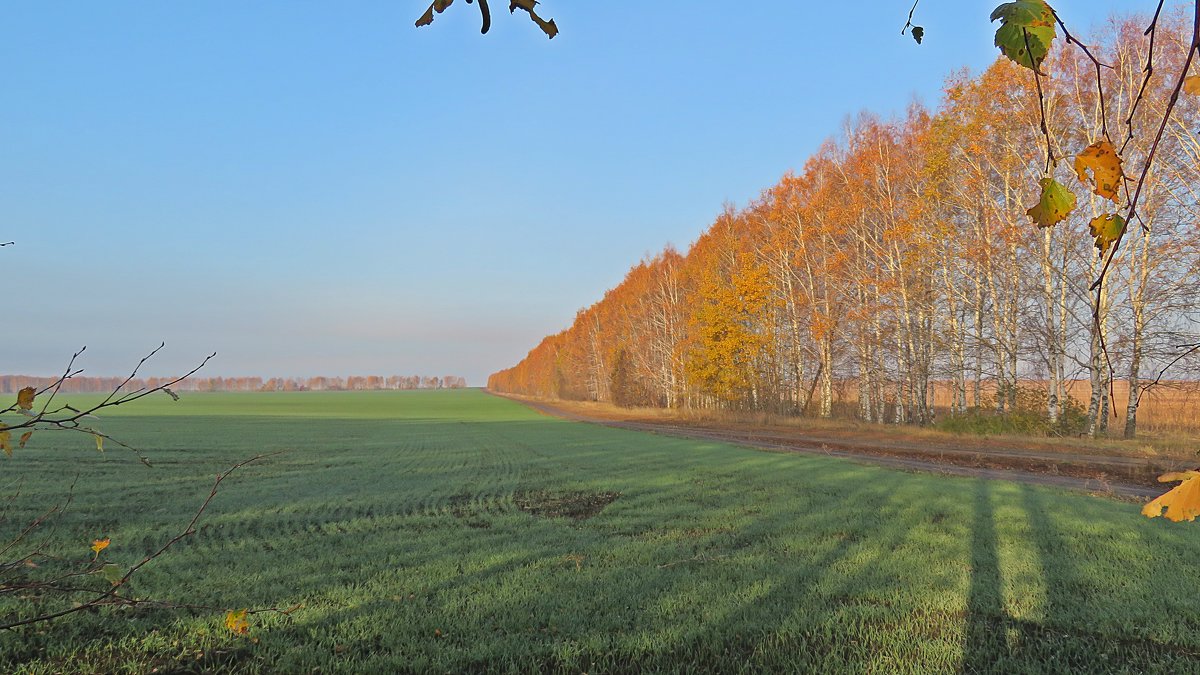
(317, 187)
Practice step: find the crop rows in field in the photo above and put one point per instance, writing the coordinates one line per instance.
(453, 531)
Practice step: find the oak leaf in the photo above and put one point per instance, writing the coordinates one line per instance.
(1055, 203)
(25, 398)
(1106, 229)
(237, 622)
(1182, 502)
(1105, 164)
(1026, 31)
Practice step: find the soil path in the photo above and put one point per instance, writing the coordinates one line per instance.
(1124, 476)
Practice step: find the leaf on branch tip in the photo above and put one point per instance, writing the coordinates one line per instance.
(25, 398)
(100, 544)
(918, 33)
(112, 573)
(1191, 84)
(1026, 31)
(24, 439)
(1106, 229)
(1055, 203)
(99, 442)
(1105, 164)
(1182, 502)
(6, 442)
(426, 18)
(237, 622)
(173, 395)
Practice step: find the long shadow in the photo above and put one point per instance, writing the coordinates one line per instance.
(984, 635)
(1074, 596)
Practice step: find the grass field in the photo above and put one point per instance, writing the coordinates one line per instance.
(434, 532)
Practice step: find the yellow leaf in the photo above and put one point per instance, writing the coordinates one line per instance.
(1182, 502)
(100, 544)
(25, 398)
(237, 622)
(24, 438)
(1106, 229)
(1105, 164)
(1054, 204)
(1191, 84)
(99, 442)
(6, 442)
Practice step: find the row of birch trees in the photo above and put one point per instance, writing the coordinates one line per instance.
(900, 258)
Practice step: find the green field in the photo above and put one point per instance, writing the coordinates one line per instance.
(434, 532)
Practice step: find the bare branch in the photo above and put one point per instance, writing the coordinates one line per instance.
(111, 596)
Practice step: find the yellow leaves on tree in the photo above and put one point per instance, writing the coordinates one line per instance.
(238, 622)
(6, 441)
(1106, 229)
(25, 398)
(1102, 160)
(99, 442)
(99, 545)
(1182, 502)
(729, 341)
(1055, 203)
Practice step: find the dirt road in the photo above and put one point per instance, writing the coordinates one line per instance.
(1130, 477)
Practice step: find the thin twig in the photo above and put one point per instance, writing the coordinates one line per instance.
(1148, 70)
(107, 597)
(909, 24)
(1191, 349)
(1041, 104)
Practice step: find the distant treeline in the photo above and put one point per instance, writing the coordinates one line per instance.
(13, 383)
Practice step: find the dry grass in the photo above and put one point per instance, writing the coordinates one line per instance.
(1170, 408)
(1168, 423)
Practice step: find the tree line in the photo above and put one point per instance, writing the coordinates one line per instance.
(81, 384)
(902, 257)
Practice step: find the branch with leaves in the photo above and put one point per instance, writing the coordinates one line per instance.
(1027, 30)
(88, 584)
(439, 6)
(28, 570)
(65, 417)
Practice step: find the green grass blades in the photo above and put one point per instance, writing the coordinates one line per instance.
(452, 531)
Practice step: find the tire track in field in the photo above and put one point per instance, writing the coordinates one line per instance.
(939, 461)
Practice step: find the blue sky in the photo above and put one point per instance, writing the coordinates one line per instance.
(318, 187)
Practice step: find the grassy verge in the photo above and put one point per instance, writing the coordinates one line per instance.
(1166, 446)
(458, 532)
